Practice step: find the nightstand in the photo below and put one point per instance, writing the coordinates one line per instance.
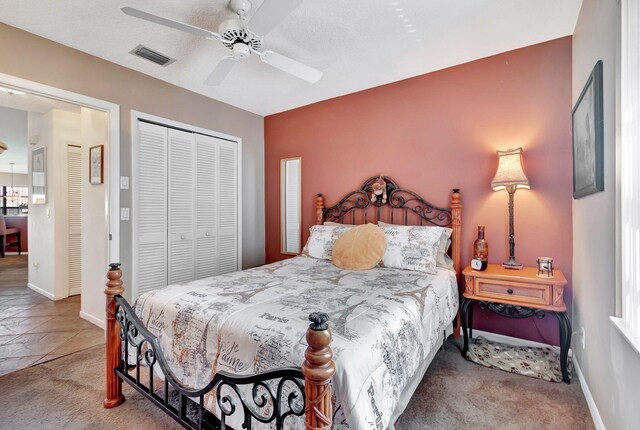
(516, 294)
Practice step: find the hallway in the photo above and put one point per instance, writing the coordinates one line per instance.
(34, 329)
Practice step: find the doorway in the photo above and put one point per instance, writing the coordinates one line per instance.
(65, 205)
(107, 224)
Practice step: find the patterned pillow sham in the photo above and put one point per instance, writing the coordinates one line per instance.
(442, 259)
(412, 247)
(322, 239)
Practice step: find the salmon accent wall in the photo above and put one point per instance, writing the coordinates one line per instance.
(440, 131)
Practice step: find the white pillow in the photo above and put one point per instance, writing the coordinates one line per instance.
(442, 259)
(412, 247)
(322, 239)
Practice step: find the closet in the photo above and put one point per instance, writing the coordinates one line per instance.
(186, 206)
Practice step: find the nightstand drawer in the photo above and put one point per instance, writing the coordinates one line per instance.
(534, 294)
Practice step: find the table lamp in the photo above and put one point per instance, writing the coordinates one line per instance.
(510, 176)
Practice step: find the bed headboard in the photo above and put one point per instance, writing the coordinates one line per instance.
(381, 199)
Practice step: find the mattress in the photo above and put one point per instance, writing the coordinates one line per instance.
(387, 324)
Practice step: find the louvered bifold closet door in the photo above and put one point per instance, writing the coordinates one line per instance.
(228, 206)
(151, 219)
(181, 200)
(206, 167)
(74, 206)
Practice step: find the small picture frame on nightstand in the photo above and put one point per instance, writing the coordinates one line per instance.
(545, 267)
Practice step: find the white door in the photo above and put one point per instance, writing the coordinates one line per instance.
(227, 206)
(180, 203)
(186, 201)
(206, 206)
(74, 202)
(151, 216)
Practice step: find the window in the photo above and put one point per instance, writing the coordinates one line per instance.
(629, 323)
(14, 206)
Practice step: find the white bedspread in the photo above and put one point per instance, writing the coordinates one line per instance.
(385, 322)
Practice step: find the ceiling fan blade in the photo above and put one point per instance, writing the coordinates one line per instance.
(270, 13)
(221, 71)
(290, 66)
(170, 23)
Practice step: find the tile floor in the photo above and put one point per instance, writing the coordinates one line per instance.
(34, 329)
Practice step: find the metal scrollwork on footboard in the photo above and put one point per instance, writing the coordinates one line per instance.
(269, 397)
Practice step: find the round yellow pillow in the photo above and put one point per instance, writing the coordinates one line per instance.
(360, 248)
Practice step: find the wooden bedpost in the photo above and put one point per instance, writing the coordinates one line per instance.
(114, 351)
(318, 369)
(456, 240)
(319, 207)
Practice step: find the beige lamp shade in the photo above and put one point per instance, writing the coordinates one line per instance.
(510, 171)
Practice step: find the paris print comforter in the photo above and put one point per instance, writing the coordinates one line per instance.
(385, 323)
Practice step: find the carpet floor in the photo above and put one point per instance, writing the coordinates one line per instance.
(455, 394)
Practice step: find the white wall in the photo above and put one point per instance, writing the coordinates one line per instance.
(48, 222)
(40, 222)
(13, 132)
(610, 366)
(19, 179)
(95, 230)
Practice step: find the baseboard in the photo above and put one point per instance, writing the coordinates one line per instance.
(43, 292)
(15, 253)
(595, 414)
(92, 319)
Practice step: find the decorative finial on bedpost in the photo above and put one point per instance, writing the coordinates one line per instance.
(319, 208)
(318, 369)
(114, 354)
(318, 321)
(114, 275)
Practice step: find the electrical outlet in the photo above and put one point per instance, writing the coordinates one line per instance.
(124, 182)
(124, 214)
(583, 336)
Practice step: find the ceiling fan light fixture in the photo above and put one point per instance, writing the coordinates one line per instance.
(241, 51)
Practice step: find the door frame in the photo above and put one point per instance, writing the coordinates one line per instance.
(111, 158)
(137, 115)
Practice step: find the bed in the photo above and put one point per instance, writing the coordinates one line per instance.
(226, 351)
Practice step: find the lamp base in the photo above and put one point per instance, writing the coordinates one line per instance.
(512, 264)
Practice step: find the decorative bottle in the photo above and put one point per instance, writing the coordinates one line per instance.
(480, 246)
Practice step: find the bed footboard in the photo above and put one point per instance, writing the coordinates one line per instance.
(133, 354)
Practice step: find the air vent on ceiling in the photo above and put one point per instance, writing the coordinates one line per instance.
(151, 55)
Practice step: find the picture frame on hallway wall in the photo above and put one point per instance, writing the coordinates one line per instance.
(39, 176)
(96, 164)
(588, 137)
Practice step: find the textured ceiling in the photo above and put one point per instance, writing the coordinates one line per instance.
(358, 44)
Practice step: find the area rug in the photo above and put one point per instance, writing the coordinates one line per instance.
(542, 363)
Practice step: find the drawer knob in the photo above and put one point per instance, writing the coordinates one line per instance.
(510, 291)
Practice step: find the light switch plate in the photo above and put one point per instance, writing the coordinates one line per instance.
(124, 214)
(124, 182)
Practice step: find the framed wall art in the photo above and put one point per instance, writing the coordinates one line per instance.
(96, 164)
(39, 176)
(588, 137)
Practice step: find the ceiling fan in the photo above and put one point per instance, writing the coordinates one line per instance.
(242, 37)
